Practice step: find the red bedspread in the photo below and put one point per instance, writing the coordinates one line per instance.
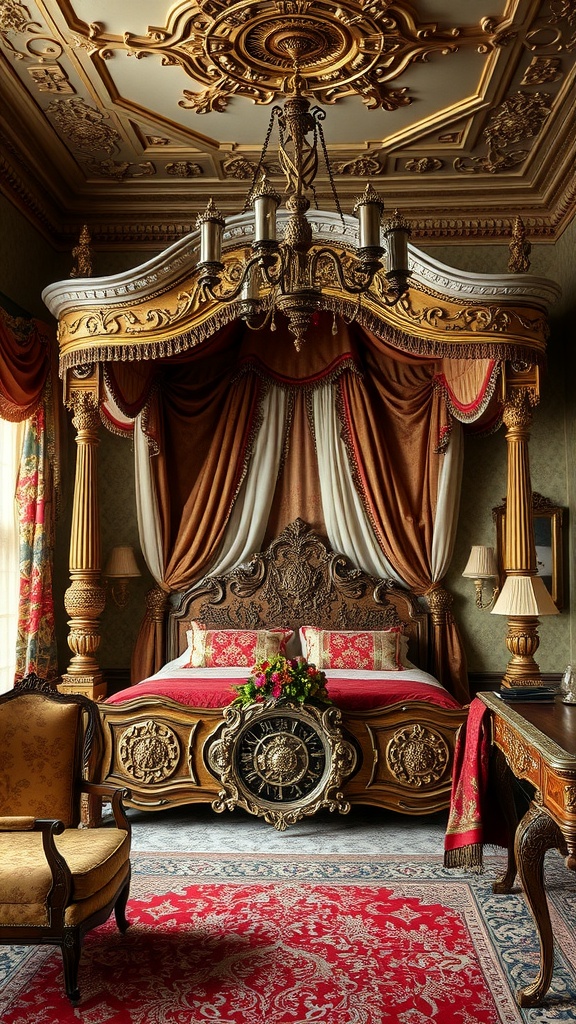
(348, 694)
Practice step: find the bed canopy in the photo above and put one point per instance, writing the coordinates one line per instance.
(235, 433)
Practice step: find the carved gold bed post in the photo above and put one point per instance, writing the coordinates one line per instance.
(439, 602)
(521, 395)
(85, 598)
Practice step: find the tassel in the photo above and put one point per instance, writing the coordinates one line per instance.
(468, 857)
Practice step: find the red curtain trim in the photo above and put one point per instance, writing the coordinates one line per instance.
(114, 425)
(467, 412)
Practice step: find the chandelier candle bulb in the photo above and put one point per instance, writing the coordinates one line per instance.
(265, 202)
(397, 233)
(369, 209)
(211, 224)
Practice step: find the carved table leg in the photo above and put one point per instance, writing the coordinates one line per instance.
(502, 785)
(536, 834)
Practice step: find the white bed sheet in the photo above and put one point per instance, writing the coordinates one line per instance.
(176, 668)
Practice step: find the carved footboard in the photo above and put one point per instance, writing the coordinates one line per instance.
(154, 745)
(407, 753)
(157, 748)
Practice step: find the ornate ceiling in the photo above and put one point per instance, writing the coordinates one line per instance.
(462, 115)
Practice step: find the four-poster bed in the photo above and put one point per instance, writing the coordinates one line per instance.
(353, 445)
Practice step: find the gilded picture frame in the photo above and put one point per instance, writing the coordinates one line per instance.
(548, 540)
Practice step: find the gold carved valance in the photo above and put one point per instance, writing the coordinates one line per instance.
(158, 310)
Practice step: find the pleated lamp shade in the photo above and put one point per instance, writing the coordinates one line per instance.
(122, 564)
(482, 563)
(524, 595)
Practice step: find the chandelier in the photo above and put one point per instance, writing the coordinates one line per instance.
(289, 275)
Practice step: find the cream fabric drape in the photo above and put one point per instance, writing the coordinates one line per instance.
(446, 522)
(247, 524)
(147, 510)
(347, 524)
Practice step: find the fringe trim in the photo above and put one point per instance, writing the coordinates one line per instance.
(113, 428)
(468, 857)
(110, 384)
(125, 351)
(259, 370)
(351, 311)
(480, 408)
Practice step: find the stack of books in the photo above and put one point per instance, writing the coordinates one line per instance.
(520, 694)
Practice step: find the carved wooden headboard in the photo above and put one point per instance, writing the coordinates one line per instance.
(299, 581)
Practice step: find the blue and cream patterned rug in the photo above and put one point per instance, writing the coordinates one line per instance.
(468, 950)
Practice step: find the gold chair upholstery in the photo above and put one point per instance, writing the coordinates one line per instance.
(57, 880)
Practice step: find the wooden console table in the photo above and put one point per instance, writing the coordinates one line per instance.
(537, 743)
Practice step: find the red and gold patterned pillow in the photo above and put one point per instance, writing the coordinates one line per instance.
(375, 650)
(223, 648)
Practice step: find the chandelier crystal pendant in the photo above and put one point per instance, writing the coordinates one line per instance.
(296, 269)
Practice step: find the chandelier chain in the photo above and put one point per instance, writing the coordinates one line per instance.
(276, 111)
(328, 168)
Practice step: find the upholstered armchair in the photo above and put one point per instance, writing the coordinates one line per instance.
(57, 879)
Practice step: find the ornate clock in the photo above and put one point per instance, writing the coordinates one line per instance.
(281, 761)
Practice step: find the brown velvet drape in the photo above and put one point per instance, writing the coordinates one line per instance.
(394, 420)
(25, 357)
(202, 414)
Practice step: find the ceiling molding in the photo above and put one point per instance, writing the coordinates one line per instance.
(465, 121)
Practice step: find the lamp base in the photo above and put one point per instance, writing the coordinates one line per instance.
(522, 641)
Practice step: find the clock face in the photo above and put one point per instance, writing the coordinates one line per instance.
(280, 758)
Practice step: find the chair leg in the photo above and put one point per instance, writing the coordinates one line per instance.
(71, 948)
(120, 907)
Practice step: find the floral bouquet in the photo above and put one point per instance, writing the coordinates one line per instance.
(293, 679)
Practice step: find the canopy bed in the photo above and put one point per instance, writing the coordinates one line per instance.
(282, 489)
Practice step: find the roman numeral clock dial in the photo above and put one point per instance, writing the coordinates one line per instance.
(281, 763)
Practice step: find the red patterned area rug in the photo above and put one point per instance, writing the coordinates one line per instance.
(255, 939)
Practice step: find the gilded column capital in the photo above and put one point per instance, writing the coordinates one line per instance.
(85, 414)
(517, 412)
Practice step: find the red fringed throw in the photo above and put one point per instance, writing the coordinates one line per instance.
(473, 819)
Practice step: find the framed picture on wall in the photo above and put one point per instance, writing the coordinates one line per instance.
(548, 541)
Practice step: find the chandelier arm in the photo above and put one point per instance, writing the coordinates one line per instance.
(275, 274)
(207, 283)
(353, 289)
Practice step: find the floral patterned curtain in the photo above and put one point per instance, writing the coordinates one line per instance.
(36, 640)
(27, 368)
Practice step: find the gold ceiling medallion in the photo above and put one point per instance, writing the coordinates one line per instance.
(248, 49)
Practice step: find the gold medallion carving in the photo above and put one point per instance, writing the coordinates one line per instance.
(250, 49)
(149, 751)
(417, 756)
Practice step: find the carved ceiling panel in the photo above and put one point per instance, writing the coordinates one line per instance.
(462, 115)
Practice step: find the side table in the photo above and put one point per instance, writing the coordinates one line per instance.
(536, 743)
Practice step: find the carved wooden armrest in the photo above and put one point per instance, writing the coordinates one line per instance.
(61, 891)
(115, 795)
